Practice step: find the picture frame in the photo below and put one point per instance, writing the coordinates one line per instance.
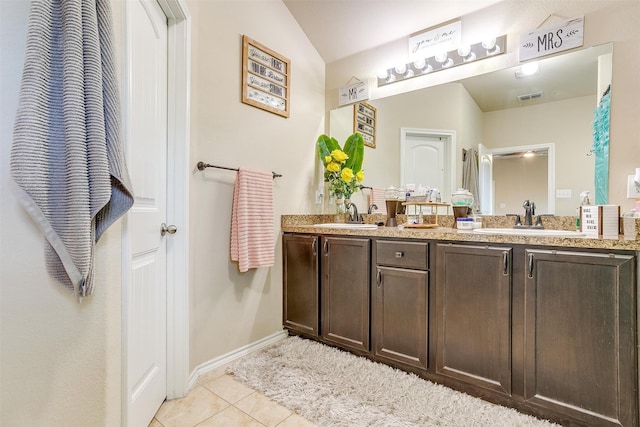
(364, 122)
(266, 78)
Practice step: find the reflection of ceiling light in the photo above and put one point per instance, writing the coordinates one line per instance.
(527, 70)
(528, 154)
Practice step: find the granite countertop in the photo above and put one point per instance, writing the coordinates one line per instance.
(304, 224)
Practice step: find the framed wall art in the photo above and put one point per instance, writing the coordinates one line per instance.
(266, 78)
(364, 122)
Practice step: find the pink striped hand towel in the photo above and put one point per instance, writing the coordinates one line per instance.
(252, 230)
(377, 198)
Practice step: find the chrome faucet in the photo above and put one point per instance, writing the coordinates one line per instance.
(372, 207)
(529, 211)
(355, 217)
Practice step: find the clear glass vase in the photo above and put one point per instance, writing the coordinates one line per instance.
(340, 203)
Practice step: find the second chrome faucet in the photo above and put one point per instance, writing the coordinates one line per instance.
(529, 212)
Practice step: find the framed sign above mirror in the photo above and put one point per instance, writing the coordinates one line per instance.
(364, 122)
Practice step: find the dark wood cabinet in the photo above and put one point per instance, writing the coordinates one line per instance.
(550, 331)
(580, 325)
(345, 280)
(473, 315)
(400, 301)
(301, 284)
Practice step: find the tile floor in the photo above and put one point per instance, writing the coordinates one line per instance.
(219, 400)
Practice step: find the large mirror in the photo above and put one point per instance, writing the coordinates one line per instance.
(533, 135)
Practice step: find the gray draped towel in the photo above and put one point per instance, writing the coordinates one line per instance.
(470, 177)
(67, 159)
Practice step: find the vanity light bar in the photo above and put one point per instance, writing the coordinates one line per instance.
(441, 61)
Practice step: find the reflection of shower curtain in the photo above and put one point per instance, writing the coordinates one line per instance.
(470, 177)
(601, 148)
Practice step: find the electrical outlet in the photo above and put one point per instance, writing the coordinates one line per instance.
(319, 196)
(563, 193)
(633, 190)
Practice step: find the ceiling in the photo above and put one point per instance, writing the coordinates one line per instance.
(561, 77)
(336, 29)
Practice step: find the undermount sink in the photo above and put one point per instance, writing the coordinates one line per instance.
(344, 225)
(536, 232)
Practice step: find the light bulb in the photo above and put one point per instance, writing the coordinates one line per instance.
(466, 53)
(401, 69)
(440, 57)
(489, 43)
(464, 50)
(419, 64)
(383, 73)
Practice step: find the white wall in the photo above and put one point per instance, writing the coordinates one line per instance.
(605, 22)
(59, 360)
(514, 181)
(227, 309)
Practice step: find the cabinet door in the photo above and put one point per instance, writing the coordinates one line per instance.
(473, 315)
(301, 284)
(345, 292)
(400, 301)
(580, 358)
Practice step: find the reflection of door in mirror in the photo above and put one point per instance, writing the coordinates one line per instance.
(426, 159)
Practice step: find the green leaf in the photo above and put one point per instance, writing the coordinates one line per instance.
(354, 148)
(325, 146)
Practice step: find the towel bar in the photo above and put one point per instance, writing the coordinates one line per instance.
(202, 166)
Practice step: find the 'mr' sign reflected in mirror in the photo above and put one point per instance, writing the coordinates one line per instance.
(534, 135)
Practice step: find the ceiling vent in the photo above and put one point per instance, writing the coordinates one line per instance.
(528, 96)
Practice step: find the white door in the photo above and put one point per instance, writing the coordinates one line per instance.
(145, 296)
(426, 159)
(485, 179)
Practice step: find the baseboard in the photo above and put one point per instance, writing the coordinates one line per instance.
(233, 355)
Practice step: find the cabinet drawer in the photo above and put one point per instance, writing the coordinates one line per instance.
(403, 254)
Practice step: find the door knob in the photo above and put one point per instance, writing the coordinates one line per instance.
(171, 229)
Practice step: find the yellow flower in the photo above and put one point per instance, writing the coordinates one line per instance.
(339, 156)
(333, 167)
(327, 159)
(347, 175)
(360, 176)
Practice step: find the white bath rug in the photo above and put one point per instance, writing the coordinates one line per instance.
(331, 387)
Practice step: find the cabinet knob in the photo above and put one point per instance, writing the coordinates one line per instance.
(399, 254)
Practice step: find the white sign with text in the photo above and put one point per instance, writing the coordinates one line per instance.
(552, 39)
(444, 38)
(353, 93)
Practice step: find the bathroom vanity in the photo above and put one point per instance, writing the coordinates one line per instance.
(545, 325)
